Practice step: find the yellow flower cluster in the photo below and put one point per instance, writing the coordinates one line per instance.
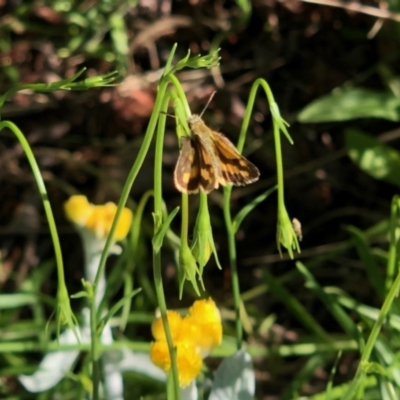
(97, 219)
(194, 336)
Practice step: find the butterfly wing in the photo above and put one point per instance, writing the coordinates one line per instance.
(208, 159)
(235, 168)
(187, 169)
(194, 168)
(208, 167)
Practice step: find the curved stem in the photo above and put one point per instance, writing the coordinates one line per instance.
(43, 193)
(131, 177)
(228, 191)
(95, 346)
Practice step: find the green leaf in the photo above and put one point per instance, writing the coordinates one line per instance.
(234, 379)
(17, 300)
(119, 305)
(79, 295)
(346, 104)
(159, 235)
(118, 34)
(374, 368)
(376, 159)
(294, 306)
(168, 64)
(332, 307)
(368, 261)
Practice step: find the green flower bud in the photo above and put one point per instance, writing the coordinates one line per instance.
(203, 242)
(286, 234)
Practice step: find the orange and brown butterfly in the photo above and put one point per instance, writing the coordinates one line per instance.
(208, 159)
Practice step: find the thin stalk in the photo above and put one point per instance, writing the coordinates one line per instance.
(392, 258)
(277, 126)
(184, 219)
(92, 250)
(387, 304)
(123, 200)
(233, 264)
(279, 165)
(64, 312)
(137, 261)
(95, 368)
(369, 346)
(158, 212)
(228, 191)
(43, 193)
(181, 93)
(132, 176)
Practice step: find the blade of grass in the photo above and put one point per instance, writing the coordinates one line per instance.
(304, 375)
(295, 307)
(333, 307)
(371, 268)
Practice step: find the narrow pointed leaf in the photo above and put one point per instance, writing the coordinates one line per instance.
(242, 214)
(159, 235)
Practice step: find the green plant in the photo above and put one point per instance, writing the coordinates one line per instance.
(191, 259)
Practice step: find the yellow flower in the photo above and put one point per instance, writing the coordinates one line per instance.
(159, 354)
(174, 322)
(78, 209)
(189, 362)
(206, 317)
(205, 310)
(194, 336)
(97, 219)
(188, 359)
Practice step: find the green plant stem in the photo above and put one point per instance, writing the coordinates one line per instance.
(43, 193)
(233, 264)
(387, 304)
(278, 124)
(132, 176)
(126, 190)
(393, 244)
(138, 263)
(64, 311)
(181, 93)
(158, 212)
(95, 379)
(228, 217)
(96, 348)
(184, 219)
(65, 84)
(123, 200)
(369, 346)
(279, 166)
(277, 139)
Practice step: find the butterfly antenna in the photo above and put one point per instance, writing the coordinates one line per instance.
(208, 103)
(168, 115)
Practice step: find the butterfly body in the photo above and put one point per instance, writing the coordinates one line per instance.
(208, 159)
